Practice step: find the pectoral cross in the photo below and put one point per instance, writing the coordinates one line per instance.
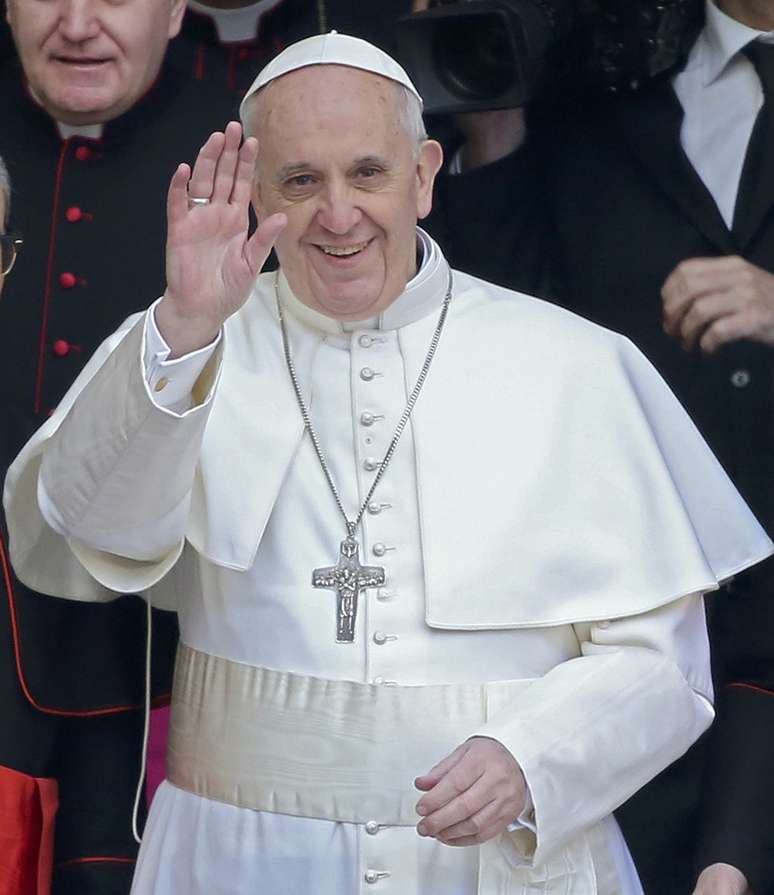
(347, 578)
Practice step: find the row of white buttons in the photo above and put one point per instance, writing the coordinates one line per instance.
(371, 464)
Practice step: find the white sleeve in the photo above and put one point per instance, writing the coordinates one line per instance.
(115, 478)
(594, 729)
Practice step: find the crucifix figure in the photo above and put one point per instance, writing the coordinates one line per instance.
(347, 578)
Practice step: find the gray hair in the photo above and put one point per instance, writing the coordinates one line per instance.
(5, 189)
(410, 111)
(411, 116)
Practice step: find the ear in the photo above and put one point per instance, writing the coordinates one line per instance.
(429, 163)
(176, 17)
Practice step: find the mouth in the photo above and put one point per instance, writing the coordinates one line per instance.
(81, 62)
(348, 251)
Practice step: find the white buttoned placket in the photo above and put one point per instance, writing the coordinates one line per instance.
(391, 538)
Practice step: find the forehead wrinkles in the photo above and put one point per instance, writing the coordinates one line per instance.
(318, 100)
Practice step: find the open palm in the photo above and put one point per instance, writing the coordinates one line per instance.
(211, 263)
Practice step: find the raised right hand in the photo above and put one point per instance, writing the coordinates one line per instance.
(211, 263)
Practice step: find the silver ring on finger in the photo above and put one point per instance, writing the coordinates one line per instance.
(193, 201)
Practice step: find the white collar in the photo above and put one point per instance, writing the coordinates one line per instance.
(87, 131)
(236, 25)
(422, 296)
(719, 42)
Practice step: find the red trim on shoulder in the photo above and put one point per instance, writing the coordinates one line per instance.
(95, 860)
(739, 685)
(49, 277)
(5, 567)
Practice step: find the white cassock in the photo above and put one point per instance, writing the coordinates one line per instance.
(548, 524)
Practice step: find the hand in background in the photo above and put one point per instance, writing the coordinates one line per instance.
(721, 879)
(710, 302)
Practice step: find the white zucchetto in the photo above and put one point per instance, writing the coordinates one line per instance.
(331, 49)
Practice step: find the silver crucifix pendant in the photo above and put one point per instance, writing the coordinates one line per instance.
(347, 578)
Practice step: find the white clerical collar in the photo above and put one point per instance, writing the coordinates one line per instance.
(422, 296)
(719, 42)
(87, 131)
(236, 25)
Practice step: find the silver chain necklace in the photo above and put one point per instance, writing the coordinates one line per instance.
(348, 577)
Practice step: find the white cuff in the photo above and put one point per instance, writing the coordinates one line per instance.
(527, 817)
(171, 381)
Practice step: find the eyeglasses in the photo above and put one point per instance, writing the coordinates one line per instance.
(10, 244)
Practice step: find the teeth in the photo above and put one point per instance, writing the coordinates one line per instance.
(341, 251)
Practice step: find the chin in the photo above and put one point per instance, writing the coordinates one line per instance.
(350, 307)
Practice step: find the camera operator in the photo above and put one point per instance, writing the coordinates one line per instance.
(654, 214)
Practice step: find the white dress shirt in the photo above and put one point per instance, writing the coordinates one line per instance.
(721, 94)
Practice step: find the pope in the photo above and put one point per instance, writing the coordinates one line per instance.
(438, 549)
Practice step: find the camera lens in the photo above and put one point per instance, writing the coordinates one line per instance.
(473, 58)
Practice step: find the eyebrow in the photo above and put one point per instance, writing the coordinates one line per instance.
(371, 160)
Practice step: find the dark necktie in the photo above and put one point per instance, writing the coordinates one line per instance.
(756, 186)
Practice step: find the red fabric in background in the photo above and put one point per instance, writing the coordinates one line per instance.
(28, 807)
(157, 753)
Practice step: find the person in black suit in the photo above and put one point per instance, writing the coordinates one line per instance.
(653, 214)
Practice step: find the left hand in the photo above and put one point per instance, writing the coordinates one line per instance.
(721, 879)
(712, 301)
(471, 796)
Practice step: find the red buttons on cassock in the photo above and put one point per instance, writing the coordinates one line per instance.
(67, 280)
(244, 54)
(83, 153)
(73, 214)
(61, 348)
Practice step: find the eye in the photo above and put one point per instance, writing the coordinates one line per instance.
(369, 172)
(300, 180)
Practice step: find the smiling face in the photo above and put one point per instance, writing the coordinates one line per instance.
(336, 159)
(88, 61)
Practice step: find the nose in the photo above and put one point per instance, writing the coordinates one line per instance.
(78, 20)
(339, 212)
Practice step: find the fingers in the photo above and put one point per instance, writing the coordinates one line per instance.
(460, 813)
(457, 780)
(721, 879)
(262, 241)
(227, 163)
(429, 780)
(223, 172)
(245, 172)
(693, 279)
(483, 825)
(710, 302)
(177, 197)
(701, 314)
(722, 331)
(202, 180)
